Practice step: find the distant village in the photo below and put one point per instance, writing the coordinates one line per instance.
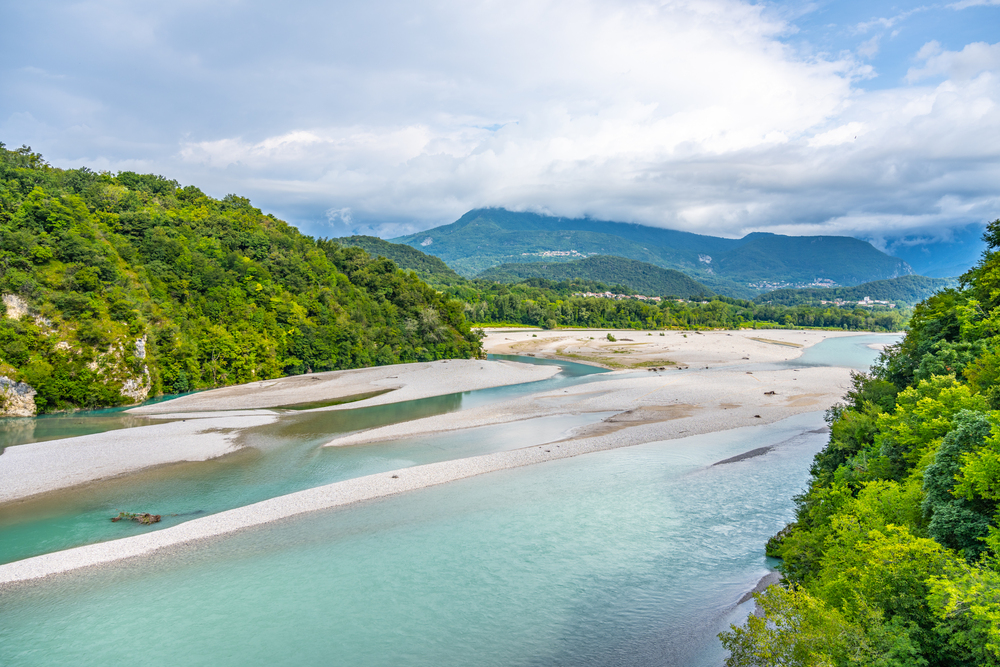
(866, 302)
(763, 286)
(766, 286)
(556, 253)
(617, 297)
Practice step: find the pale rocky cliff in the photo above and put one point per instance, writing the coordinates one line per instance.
(17, 399)
(119, 364)
(16, 306)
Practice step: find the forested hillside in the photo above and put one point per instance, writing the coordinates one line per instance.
(638, 277)
(119, 287)
(893, 558)
(742, 268)
(552, 303)
(428, 268)
(903, 291)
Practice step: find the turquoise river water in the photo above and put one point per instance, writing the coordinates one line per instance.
(634, 556)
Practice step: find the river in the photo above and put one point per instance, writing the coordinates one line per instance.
(634, 556)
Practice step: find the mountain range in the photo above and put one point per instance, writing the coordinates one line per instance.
(618, 274)
(759, 262)
(941, 258)
(432, 270)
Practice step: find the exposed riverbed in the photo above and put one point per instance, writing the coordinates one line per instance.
(635, 556)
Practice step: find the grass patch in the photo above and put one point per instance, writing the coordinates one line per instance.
(775, 342)
(653, 364)
(312, 405)
(603, 361)
(611, 363)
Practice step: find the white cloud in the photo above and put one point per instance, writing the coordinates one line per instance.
(838, 135)
(395, 116)
(971, 61)
(889, 22)
(605, 100)
(965, 4)
(869, 48)
(338, 217)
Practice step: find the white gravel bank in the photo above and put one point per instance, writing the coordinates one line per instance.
(46, 466)
(321, 498)
(638, 348)
(407, 382)
(712, 401)
(653, 406)
(210, 431)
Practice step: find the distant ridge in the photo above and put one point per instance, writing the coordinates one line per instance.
(428, 268)
(905, 290)
(639, 277)
(484, 238)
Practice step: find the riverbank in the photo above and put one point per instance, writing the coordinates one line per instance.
(40, 467)
(693, 388)
(670, 402)
(331, 496)
(653, 405)
(209, 424)
(645, 349)
(392, 384)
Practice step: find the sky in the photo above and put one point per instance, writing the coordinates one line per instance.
(870, 119)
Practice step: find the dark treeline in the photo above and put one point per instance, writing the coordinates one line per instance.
(894, 557)
(550, 304)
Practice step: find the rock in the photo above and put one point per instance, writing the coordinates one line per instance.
(16, 306)
(115, 366)
(18, 398)
(137, 389)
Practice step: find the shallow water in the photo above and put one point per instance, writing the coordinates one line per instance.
(23, 430)
(277, 459)
(848, 351)
(288, 456)
(628, 557)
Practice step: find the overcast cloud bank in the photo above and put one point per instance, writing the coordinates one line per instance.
(705, 115)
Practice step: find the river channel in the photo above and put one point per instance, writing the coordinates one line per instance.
(634, 556)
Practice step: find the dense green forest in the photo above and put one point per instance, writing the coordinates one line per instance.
(894, 557)
(539, 302)
(550, 303)
(638, 277)
(127, 285)
(903, 291)
(432, 270)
